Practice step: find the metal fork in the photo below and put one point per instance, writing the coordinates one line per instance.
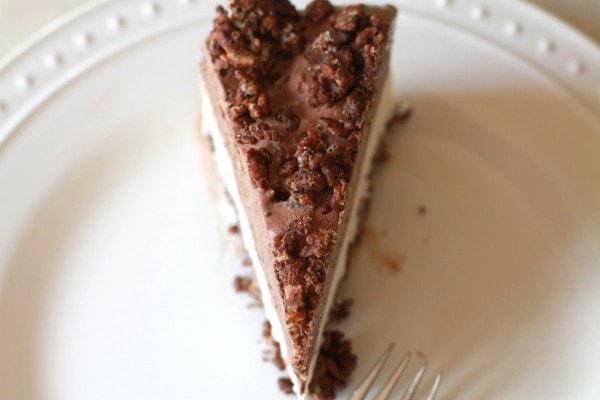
(362, 390)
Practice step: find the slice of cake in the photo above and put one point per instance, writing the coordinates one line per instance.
(296, 103)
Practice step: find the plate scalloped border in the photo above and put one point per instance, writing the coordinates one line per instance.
(88, 35)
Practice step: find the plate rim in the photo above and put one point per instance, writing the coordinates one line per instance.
(35, 70)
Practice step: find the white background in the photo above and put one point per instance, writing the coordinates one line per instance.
(19, 19)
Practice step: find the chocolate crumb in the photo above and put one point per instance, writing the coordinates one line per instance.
(266, 332)
(247, 261)
(332, 67)
(422, 210)
(382, 155)
(318, 10)
(348, 19)
(399, 118)
(244, 284)
(420, 354)
(334, 365)
(233, 229)
(341, 310)
(258, 166)
(276, 358)
(286, 385)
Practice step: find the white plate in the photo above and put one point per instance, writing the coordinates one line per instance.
(114, 281)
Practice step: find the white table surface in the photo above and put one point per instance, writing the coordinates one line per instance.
(19, 19)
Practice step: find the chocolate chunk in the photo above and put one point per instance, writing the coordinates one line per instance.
(306, 180)
(354, 107)
(332, 127)
(348, 19)
(288, 168)
(238, 56)
(277, 357)
(249, 84)
(318, 10)
(260, 107)
(261, 130)
(258, 166)
(243, 134)
(286, 385)
(368, 44)
(332, 67)
(291, 41)
(318, 245)
(238, 111)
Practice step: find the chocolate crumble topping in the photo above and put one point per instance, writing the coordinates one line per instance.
(276, 66)
(245, 45)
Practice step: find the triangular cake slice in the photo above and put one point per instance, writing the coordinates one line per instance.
(296, 102)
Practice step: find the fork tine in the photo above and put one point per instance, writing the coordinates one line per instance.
(435, 387)
(394, 377)
(414, 384)
(361, 390)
